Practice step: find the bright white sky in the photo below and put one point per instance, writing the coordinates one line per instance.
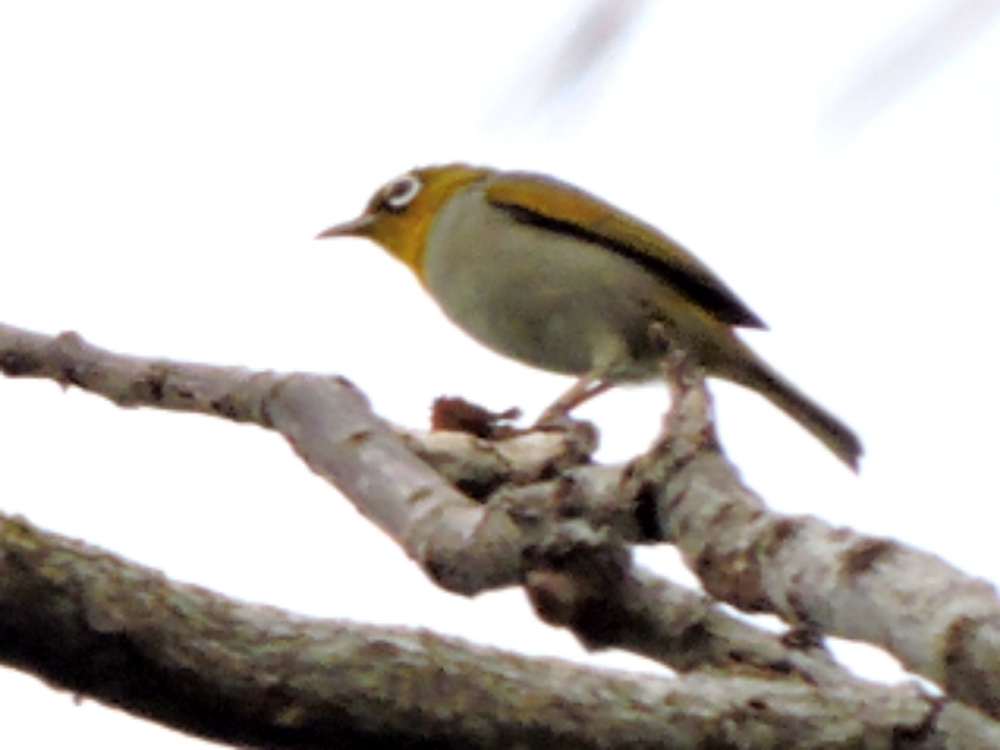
(163, 170)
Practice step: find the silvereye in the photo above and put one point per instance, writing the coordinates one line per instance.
(554, 277)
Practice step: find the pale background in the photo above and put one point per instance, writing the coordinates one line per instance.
(163, 170)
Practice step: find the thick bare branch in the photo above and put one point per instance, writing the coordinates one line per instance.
(464, 546)
(566, 539)
(86, 621)
(568, 531)
(938, 621)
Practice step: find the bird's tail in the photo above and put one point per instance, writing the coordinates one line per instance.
(756, 374)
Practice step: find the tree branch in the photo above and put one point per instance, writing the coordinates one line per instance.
(939, 622)
(539, 514)
(86, 621)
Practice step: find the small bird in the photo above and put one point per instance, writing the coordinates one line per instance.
(554, 277)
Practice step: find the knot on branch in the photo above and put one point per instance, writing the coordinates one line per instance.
(574, 579)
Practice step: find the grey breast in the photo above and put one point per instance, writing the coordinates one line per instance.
(538, 296)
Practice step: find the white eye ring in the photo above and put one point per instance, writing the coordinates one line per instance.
(400, 192)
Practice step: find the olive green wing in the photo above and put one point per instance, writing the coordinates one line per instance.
(556, 206)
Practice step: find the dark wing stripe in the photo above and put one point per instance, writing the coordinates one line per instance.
(703, 291)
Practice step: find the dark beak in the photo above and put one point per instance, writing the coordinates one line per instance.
(358, 227)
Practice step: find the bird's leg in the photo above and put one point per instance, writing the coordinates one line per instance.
(686, 386)
(582, 390)
(680, 371)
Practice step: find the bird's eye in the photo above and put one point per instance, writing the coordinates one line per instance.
(398, 194)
